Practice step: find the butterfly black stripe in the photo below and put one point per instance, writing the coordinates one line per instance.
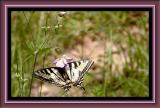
(46, 72)
(63, 73)
(79, 63)
(70, 68)
(75, 64)
(58, 70)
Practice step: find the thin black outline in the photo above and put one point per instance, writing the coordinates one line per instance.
(82, 98)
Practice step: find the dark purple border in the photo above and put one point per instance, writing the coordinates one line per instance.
(126, 105)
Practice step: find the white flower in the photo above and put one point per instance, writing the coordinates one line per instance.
(45, 27)
(61, 14)
(61, 62)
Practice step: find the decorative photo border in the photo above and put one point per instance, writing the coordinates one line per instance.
(5, 40)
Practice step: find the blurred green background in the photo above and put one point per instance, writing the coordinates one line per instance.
(117, 41)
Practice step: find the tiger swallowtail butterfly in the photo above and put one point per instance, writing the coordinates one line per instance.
(70, 75)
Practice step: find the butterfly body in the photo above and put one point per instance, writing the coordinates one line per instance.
(70, 75)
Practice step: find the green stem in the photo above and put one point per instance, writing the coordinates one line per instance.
(82, 49)
(22, 80)
(104, 69)
(109, 66)
(40, 94)
(28, 21)
(19, 82)
(32, 73)
(41, 83)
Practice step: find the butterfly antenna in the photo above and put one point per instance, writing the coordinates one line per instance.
(82, 88)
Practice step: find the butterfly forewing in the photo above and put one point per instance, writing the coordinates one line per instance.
(87, 65)
(51, 75)
(72, 71)
(76, 70)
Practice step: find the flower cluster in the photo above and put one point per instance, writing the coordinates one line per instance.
(61, 62)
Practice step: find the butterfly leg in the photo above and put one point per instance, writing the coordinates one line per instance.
(82, 88)
(66, 88)
(79, 86)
